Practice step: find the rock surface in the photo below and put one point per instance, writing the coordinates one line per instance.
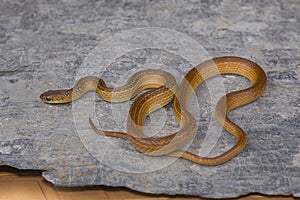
(49, 45)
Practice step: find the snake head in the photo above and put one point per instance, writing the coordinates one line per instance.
(56, 96)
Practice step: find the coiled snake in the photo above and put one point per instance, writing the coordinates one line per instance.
(164, 86)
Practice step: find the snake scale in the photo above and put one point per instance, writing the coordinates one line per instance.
(164, 90)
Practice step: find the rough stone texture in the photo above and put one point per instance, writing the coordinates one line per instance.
(49, 45)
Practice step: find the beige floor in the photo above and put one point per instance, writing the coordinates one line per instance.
(29, 185)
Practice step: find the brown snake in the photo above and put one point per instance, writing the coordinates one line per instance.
(165, 87)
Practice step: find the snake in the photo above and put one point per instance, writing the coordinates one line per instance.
(164, 90)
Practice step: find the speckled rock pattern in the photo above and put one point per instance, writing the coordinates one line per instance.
(50, 44)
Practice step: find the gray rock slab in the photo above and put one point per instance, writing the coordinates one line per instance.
(49, 45)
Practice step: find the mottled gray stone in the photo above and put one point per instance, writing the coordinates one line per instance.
(49, 45)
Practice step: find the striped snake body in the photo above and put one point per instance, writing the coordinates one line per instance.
(164, 86)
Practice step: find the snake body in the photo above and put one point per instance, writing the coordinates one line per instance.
(165, 87)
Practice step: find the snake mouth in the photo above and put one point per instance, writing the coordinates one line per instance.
(45, 98)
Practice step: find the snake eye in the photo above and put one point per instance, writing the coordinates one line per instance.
(48, 99)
